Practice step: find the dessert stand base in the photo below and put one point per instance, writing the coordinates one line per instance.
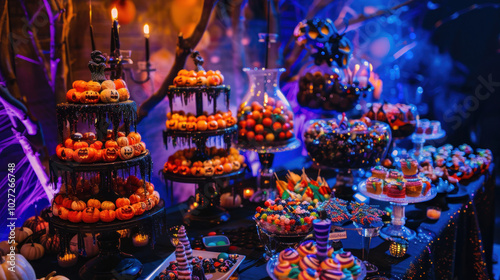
(111, 263)
(209, 215)
(391, 231)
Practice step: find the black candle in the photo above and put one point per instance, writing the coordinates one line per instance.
(146, 36)
(92, 37)
(117, 38)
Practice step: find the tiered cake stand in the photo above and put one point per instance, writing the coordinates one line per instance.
(110, 263)
(207, 207)
(397, 226)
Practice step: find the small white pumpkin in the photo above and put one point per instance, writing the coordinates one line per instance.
(22, 233)
(5, 247)
(32, 251)
(23, 271)
(53, 276)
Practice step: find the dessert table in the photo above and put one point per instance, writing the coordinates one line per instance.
(459, 244)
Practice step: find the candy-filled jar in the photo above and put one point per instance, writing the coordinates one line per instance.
(265, 118)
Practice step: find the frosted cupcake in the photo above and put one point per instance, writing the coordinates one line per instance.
(309, 261)
(379, 172)
(282, 270)
(290, 255)
(330, 264)
(309, 274)
(307, 248)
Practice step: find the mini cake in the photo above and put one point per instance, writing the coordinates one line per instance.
(413, 187)
(409, 167)
(330, 264)
(307, 248)
(374, 185)
(282, 270)
(309, 261)
(379, 172)
(396, 190)
(290, 255)
(309, 274)
(395, 174)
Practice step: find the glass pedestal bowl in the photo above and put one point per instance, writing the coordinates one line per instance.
(274, 243)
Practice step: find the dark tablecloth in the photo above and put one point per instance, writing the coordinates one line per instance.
(457, 246)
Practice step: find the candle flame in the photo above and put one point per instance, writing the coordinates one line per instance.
(114, 13)
(247, 191)
(146, 30)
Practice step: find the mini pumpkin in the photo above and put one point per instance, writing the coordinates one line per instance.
(209, 170)
(94, 86)
(32, 251)
(180, 81)
(66, 203)
(63, 213)
(89, 97)
(136, 136)
(125, 213)
(72, 97)
(22, 233)
(84, 155)
(219, 169)
(201, 81)
(184, 170)
(91, 215)
(94, 203)
(108, 205)
(230, 121)
(36, 224)
(190, 82)
(172, 124)
(122, 141)
(126, 152)
(108, 84)
(109, 96)
(65, 154)
(75, 216)
(119, 83)
(122, 201)
(191, 126)
(139, 208)
(111, 144)
(107, 215)
(134, 198)
(212, 125)
(78, 205)
(59, 198)
(110, 154)
(137, 149)
(51, 243)
(182, 126)
(124, 94)
(97, 145)
(80, 85)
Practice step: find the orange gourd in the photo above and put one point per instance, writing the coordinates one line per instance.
(134, 198)
(80, 85)
(139, 208)
(75, 216)
(94, 203)
(78, 205)
(66, 203)
(121, 202)
(63, 213)
(107, 215)
(108, 205)
(91, 215)
(125, 213)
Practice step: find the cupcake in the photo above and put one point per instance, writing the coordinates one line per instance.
(413, 187)
(409, 166)
(395, 174)
(332, 274)
(330, 264)
(309, 261)
(290, 255)
(374, 185)
(396, 190)
(308, 274)
(345, 259)
(307, 248)
(282, 270)
(379, 172)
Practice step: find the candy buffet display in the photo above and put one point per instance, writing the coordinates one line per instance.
(348, 144)
(303, 188)
(400, 117)
(95, 197)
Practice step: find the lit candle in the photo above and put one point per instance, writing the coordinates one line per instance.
(115, 40)
(67, 260)
(140, 240)
(248, 193)
(146, 36)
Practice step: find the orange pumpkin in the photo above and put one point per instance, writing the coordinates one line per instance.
(137, 149)
(90, 97)
(59, 199)
(119, 83)
(139, 208)
(68, 143)
(109, 154)
(125, 213)
(96, 145)
(63, 213)
(80, 144)
(75, 216)
(107, 205)
(107, 215)
(150, 187)
(78, 205)
(66, 203)
(150, 203)
(126, 152)
(122, 201)
(108, 84)
(124, 94)
(84, 155)
(71, 96)
(94, 86)
(94, 203)
(134, 198)
(122, 141)
(136, 136)
(80, 85)
(98, 155)
(65, 154)
(91, 215)
(111, 144)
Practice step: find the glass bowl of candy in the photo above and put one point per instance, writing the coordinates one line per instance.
(265, 117)
(284, 223)
(347, 144)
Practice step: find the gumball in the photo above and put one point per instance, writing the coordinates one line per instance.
(267, 113)
(277, 126)
(242, 124)
(228, 167)
(267, 122)
(250, 124)
(259, 138)
(277, 111)
(250, 136)
(243, 132)
(282, 135)
(259, 129)
(286, 127)
(269, 137)
(256, 115)
(289, 134)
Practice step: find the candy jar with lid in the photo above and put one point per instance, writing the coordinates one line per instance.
(265, 120)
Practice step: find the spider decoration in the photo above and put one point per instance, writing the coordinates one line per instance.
(97, 66)
(330, 46)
